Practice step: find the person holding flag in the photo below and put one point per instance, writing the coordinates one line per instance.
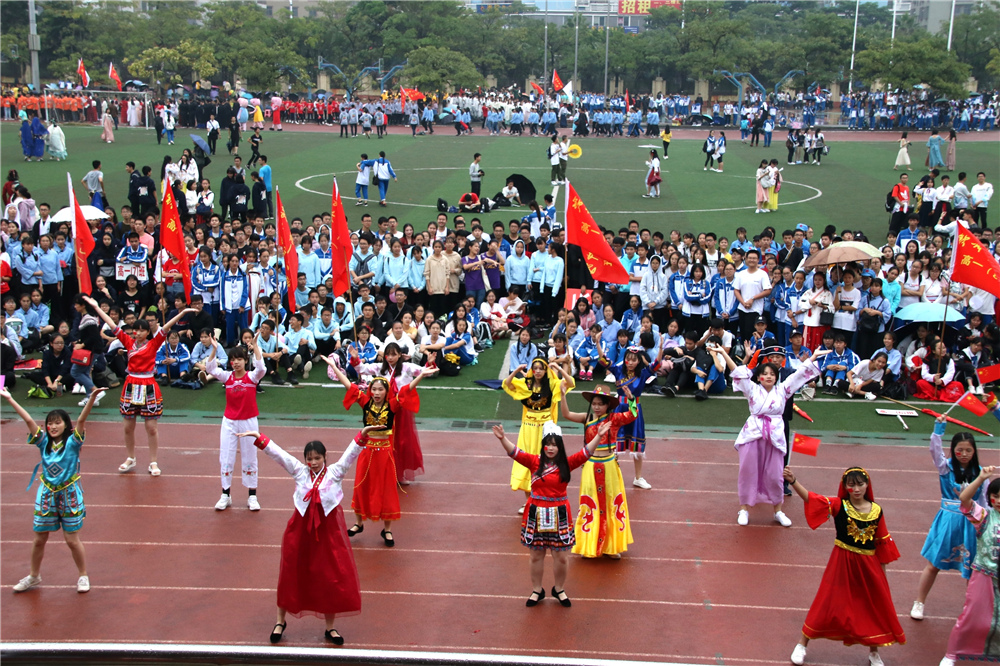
(172, 240)
(288, 252)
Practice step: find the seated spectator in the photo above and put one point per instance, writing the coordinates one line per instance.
(867, 378)
(590, 353)
(195, 323)
(460, 343)
(760, 338)
(301, 347)
(834, 366)
(685, 360)
(894, 359)
(53, 378)
(173, 358)
(199, 357)
(274, 352)
(714, 380)
(432, 350)
(967, 362)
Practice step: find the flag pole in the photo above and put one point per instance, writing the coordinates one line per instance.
(350, 287)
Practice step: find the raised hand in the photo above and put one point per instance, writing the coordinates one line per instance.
(4, 393)
(604, 428)
(368, 429)
(498, 432)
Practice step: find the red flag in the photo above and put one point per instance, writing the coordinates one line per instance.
(538, 88)
(973, 264)
(82, 72)
(801, 413)
(974, 405)
(172, 237)
(960, 424)
(402, 97)
(290, 252)
(83, 241)
(989, 374)
(628, 104)
(340, 246)
(113, 75)
(805, 445)
(557, 83)
(582, 230)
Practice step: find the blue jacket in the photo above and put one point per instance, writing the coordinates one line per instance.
(590, 350)
(631, 320)
(181, 353)
(848, 358)
(344, 322)
(517, 269)
(310, 265)
(538, 261)
(26, 264)
(675, 285)
(48, 262)
(235, 291)
(553, 275)
(724, 298)
(395, 270)
(202, 278)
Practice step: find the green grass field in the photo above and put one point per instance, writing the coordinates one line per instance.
(847, 191)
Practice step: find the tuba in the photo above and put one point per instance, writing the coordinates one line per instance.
(575, 151)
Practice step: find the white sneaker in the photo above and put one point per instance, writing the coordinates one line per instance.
(947, 662)
(743, 517)
(83, 584)
(917, 612)
(224, 502)
(252, 503)
(610, 378)
(306, 368)
(875, 659)
(27, 583)
(78, 388)
(780, 517)
(84, 401)
(979, 390)
(799, 655)
(641, 483)
(870, 396)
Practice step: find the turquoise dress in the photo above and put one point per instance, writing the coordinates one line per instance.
(631, 436)
(59, 500)
(934, 159)
(951, 542)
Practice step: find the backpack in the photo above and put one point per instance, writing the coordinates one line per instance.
(890, 201)
(704, 146)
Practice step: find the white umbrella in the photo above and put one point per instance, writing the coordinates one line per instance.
(89, 213)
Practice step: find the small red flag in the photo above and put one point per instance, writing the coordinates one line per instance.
(805, 445)
(582, 230)
(989, 374)
(340, 246)
(538, 88)
(557, 83)
(974, 405)
(113, 75)
(290, 253)
(82, 73)
(83, 241)
(973, 264)
(172, 237)
(628, 104)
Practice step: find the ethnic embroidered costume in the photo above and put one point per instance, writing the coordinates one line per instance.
(541, 405)
(546, 520)
(59, 499)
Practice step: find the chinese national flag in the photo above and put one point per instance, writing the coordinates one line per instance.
(805, 445)
(113, 75)
(628, 104)
(973, 263)
(290, 252)
(83, 241)
(581, 230)
(537, 88)
(974, 405)
(340, 246)
(557, 83)
(172, 237)
(989, 374)
(402, 97)
(82, 72)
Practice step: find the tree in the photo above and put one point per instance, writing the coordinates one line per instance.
(907, 64)
(976, 34)
(435, 68)
(167, 66)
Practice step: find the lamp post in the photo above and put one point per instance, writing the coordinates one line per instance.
(545, 67)
(607, 45)
(951, 24)
(854, 44)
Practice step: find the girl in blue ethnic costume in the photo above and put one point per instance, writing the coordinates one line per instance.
(633, 373)
(59, 500)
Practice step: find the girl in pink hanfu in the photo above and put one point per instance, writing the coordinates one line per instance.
(761, 443)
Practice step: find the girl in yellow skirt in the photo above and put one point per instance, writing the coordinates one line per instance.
(772, 192)
(602, 525)
(539, 393)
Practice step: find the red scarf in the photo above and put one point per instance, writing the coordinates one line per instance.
(313, 496)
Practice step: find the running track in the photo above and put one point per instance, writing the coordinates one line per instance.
(695, 587)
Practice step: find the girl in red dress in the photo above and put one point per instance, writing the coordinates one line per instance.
(375, 487)
(853, 603)
(317, 575)
(140, 394)
(545, 525)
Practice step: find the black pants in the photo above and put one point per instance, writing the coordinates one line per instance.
(966, 371)
(747, 321)
(980, 216)
(680, 375)
(213, 139)
(438, 304)
(476, 186)
(897, 222)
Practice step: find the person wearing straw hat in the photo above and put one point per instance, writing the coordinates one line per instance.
(602, 525)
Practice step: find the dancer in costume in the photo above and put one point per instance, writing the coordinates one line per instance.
(538, 393)
(976, 636)
(59, 500)
(951, 542)
(140, 394)
(761, 443)
(546, 523)
(375, 491)
(602, 524)
(633, 374)
(240, 416)
(317, 575)
(853, 603)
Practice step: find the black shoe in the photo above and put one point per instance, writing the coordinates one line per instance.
(788, 491)
(561, 596)
(356, 529)
(259, 389)
(276, 380)
(333, 636)
(275, 634)
(292, 380)
(669, 392)
(534, 598)
(700, 395)
(387, 537)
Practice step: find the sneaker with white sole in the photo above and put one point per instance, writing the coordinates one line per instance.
(875, 659)
(306, 368)
(641, 483)
(224, 502)
(945, 661)
(83, 402)
(799, 655)
(917, 612)
(870, 396)
(252, 503)
(780, 517)
(610, 378)
(743, 517)
(27, 583)
(83, 584)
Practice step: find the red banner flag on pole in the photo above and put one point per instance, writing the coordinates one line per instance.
(628, 104)
(83, 241)
(973, 265)
(805, 445)
(538, 88)
(989, 374)
(557, 83)
(340, 246)
(113, 75)
(172, 238)
(582, 230)
(82, 72)
(290, 253)
(402, 99)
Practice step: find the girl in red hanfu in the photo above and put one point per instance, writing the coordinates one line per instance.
(140, 394)
(375, 491)
(853, 603)
(545, 525)
(602, 525)
(317, 574)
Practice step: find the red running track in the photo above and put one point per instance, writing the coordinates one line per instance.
(695, 587)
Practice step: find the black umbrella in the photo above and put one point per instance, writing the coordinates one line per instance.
(293, 97)
(698, 119)
(525, 188)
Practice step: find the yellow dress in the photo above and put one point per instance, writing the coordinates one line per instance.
(540, 407)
